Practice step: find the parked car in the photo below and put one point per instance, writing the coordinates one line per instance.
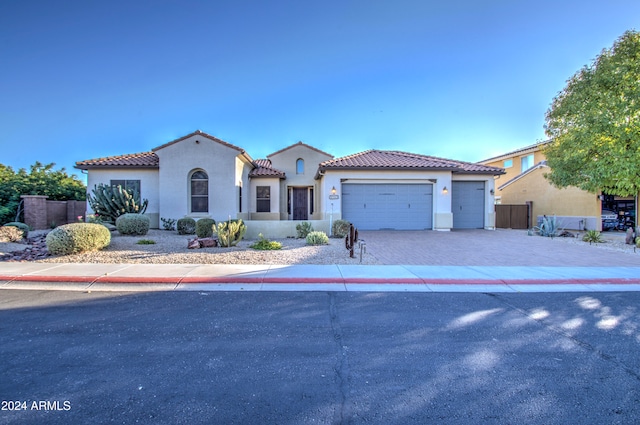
(609, 220)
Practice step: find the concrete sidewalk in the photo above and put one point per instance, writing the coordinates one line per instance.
(413, 278)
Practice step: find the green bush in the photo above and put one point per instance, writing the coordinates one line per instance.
(21, 226)
(204, 227)
(230, 232)
(592, 236)
(133, 224)
(264, 244)
(77, 237)
(317, 238)
(304, 229)
(10, 234)
(340, 228)
(638, 242)
(186, 226)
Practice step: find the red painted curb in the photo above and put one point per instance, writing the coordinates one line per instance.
(311, 280)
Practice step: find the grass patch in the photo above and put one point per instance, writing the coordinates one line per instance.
(146, 242)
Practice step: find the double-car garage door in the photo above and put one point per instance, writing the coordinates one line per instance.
(410, 206)
(388, 206)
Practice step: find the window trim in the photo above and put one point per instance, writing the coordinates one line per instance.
(263, 204)
(136, 182)
(522, 162)
(191, 195)
(299, 166)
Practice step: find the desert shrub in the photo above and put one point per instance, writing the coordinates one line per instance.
(638, 242)
(133, 224)
(304, 229)
(23, 227)
(264, 244)
(592, 236)
(168, 223)
(77, 237)
(186, 226)
(230, 232)
(340, 228)
(548, 227)
(10, 234)
(317, 238)
(94, 218)
(204, 227)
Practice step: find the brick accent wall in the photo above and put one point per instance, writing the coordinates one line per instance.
(40, 214)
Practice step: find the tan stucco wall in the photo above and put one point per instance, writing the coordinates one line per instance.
(149, 188)
(549, 200)
(516, 169)
(220, 162)
(286, 161)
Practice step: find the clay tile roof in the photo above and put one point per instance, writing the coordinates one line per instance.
(299, 144)
(264, 169)
(202, 134)
(395, 160)
(134, 160)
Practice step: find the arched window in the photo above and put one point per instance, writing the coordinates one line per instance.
(300, 166)
(199, 192)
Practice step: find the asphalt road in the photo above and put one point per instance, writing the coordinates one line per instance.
(319, 358)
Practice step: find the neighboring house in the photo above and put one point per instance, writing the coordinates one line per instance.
(524, 182)
(199, 175)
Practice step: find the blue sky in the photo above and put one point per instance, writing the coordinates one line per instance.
(464, 80)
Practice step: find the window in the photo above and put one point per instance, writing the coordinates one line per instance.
(199, 192)
(508, 163)
(263, 199)
(526, 162)
(133, 185)
(300, 166)
(240, 197)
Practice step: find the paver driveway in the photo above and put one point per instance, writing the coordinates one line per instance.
(488, 248)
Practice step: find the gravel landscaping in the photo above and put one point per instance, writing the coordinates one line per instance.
(171, 248)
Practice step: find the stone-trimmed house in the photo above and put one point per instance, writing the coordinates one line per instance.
(199, 175)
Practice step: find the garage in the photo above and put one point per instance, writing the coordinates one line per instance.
(467, 204)
(388, 206)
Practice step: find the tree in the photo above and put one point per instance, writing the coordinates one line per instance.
(40, 180)
(594, 124)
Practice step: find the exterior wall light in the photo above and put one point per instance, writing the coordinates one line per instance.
(445, 190)
(333, 190)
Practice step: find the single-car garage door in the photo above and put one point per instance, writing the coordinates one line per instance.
(388, 206)
(467, 205)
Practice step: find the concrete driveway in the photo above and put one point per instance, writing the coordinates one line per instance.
(492, 248)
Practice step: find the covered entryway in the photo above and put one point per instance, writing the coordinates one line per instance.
(388, 206)
(467, 204)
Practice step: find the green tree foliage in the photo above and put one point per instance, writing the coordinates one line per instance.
(41, 179)
(594, 124)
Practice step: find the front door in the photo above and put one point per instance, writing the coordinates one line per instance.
(300, 203)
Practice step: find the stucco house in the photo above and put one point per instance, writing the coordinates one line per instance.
(199, 175)
(524, 183)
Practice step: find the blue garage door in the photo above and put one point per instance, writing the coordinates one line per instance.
(467, 205)
(388, 206)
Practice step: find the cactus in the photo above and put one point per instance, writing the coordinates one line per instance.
(110, 202)
(230, 232)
